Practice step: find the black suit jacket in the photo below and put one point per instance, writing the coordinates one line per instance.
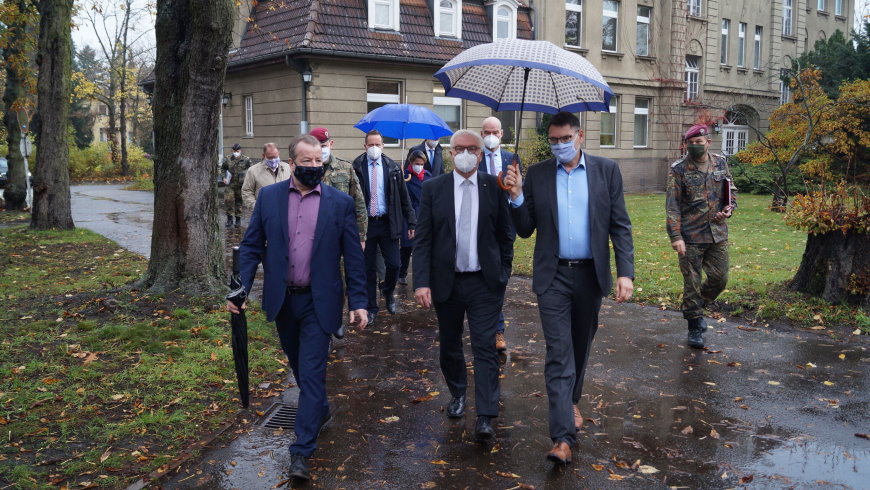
(506, 160)
(435, 247)
(608, 219)
(399, 207)
(436, 166)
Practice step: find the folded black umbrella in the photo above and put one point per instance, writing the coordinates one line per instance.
(239, 325)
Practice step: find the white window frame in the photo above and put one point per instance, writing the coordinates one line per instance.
(452, 102)
(723, 48)
(385, 99)
(756, 62)
(511, 20)
(694, 7)
(741, 44)
(249, 116)
(393, 24)
(610, 14)
(642, 112)
(820, 5)
(787, 17)
(734, 138)
(570, 7)
(644, 20)
(838, 7)
(455, 30)
(693, 77)
(614, 112)
(784, 88)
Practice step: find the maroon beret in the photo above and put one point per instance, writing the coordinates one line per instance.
(697, 130)
(321, 134)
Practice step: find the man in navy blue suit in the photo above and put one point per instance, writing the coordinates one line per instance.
(495, 159)
(308, 227)
(434, 156)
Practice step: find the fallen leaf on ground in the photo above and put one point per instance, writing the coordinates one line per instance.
(506, 474)
(428, 484)
(773, 383)
(810, 365)
(842, 356)
(862, 436)
(614, 476)
(828, 383)
(647, 469)
(389, 420)
(714, 434)
(438, 461)
(688, 430)
(746, 479)
(599, 467)
(748, 329)
(105, 455)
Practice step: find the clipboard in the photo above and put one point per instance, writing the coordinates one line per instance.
(726, 194)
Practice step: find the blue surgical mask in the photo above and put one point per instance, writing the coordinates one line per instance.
(564, 152)
(272, 162)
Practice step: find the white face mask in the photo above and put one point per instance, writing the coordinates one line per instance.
(431, 143)
(465, 162)
(374, 152)
(417, 168)
(237, 154)
(325, 151)
(491, 141)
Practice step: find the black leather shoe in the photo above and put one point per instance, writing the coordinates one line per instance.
(324, 422)
(696, 333)
(483, 430)
(299, 467)
(403, 280)
(390, 300)
(372, 316)
(456, 407)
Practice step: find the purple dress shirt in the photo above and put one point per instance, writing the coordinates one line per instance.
(301, 223)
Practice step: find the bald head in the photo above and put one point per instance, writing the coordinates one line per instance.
(491, 126)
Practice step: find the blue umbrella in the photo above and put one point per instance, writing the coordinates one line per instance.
(405, 121)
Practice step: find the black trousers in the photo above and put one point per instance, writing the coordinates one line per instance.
(569, 317)
(378, 239)
(472, 298)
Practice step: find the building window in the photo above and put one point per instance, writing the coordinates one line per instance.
(741, 44)
(505, 22)
(641, 122)
(756, 62)
(104, 135)
(821, 6)
(786, 17)
(383, 92)
(695, 8)
(249, 116)
(784, 88)
(384, 14)
(838, 7)
(448, 21)
(692, 76)
(644, 33)
(723, 56)
(573, 22)
(610, 25)
(608, 124)
(448, 108)
(735, 132)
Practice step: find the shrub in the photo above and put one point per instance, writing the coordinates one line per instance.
(758, 179)
(95, 162)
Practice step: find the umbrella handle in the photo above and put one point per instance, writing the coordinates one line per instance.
(408, 178)
(501, 183)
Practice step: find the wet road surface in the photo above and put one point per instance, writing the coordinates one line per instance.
(122, 216)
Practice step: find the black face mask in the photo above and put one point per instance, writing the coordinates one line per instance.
(308, 176)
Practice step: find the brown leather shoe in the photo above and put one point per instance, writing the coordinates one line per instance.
(500, 344)
(578, 419)
(560, 454)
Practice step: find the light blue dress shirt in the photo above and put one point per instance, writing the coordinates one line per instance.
(382, 196)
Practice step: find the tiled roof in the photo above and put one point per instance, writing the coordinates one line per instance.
(339, 28)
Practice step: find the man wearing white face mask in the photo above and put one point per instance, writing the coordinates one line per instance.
(434, 156)
(339, 174)
(462, 263)
(270, 171)
(233, 169)
(575, 203)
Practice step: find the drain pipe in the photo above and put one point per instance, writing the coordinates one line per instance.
(305, 74)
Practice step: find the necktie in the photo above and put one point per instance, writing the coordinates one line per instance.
(464, 232)
(373, 194)
(492, 164)
(431, 158)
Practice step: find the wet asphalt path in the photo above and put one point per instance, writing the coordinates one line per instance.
(122, 216)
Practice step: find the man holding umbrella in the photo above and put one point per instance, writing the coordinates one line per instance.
(309, 228)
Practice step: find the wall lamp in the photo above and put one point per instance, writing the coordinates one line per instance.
(717, 128)
(226, 98)
(306, 74)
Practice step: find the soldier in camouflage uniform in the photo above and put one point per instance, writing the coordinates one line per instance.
(236, 164)
(698, 185)
(340, 174)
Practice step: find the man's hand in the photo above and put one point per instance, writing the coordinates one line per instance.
(363, 316)
(722, 215)
(624, 289)
(679, 246)
(424, 297)
(410, 234)
(235, 309)
(514, 180)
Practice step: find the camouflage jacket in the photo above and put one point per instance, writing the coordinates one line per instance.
(340, 174)
(693, 199)
(237, 168)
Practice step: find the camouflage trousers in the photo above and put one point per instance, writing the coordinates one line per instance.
(712, 259)
(233, 201)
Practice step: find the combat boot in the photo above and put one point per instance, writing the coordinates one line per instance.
(696, 332)
(229, 220)
(238, 221)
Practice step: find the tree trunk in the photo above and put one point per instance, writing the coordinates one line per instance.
(112, 136)
(780, 194)
(836, 267)
(193, 39)
(15, 193)
(125, 165)
(125, 28)
(51, 196)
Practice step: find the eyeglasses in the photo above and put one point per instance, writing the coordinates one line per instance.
(563, 139)
(471, 149)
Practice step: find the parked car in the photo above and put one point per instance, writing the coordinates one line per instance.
(4, 167)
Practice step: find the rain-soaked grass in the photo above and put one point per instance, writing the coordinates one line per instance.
(764, 256)
(101, 385)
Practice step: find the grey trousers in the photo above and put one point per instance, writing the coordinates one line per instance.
(569, 317)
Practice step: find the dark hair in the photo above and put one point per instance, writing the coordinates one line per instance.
(373, 132)
(564, 119)
(415, 155)
(305, 138)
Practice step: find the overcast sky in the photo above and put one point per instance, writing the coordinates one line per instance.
(83, 33)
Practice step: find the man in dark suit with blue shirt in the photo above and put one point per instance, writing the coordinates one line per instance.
(575, 203)
(434, 155)
(308, 227)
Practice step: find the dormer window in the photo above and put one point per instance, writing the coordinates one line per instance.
(448, 19)
(384, 14)
(504, 21)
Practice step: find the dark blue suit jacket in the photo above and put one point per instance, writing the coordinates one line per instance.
(506, 159)
(436, 166)
(335, 235)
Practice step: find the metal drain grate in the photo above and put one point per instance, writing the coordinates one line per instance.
(279, 416)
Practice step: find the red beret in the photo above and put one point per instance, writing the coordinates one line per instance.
(697, 130)
(321, 134)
